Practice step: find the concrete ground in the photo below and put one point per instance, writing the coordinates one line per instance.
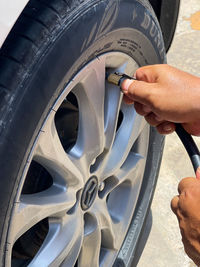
(164, 246)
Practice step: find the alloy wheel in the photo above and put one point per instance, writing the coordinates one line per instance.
(82, 179)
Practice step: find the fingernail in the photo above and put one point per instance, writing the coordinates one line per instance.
(146, 109)
(167, 127)
(126, 84)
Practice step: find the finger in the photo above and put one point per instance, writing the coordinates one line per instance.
(139, 91)
(191, 250)
(147, 74)
(166, 128)
(187, 182)
(153, 120)
(179, 215)
(127, 100)
(198, 173)
(192, 128)
(142, 109)
(174, 204)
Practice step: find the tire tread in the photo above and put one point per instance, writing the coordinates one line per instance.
(49, 6)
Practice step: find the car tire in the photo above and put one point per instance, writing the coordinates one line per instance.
(51, 46)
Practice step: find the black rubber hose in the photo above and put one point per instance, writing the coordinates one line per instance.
(189, 145)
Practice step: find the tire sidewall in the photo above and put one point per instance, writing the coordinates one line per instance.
(105, 26)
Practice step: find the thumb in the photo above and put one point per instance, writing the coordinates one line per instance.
(198, 173)
(138, 91)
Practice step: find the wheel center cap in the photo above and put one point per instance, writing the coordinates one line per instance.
(89, 193)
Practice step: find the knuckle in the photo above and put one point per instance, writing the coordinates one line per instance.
(174, 204)
(128, 100)
(185, 183)
(166, 128)
(150, 118)
(150, 98)
(139, 73)
(158, 107)
(139, 109)
(133, 88)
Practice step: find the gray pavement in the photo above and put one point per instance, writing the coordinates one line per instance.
(164, 246)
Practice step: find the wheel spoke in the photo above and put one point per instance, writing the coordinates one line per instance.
(50, 153)
(112, 109)
(91, 243)
(112, 232)
(124, 185)
(34, 208)
(90, 95)
(62, 244)
(127, 134)
(105, 223)
(129, 170)
(115, 214)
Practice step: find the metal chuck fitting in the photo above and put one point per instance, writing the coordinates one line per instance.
(117, 78)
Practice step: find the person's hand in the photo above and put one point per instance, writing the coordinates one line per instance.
(186, 206)
(165, 95)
